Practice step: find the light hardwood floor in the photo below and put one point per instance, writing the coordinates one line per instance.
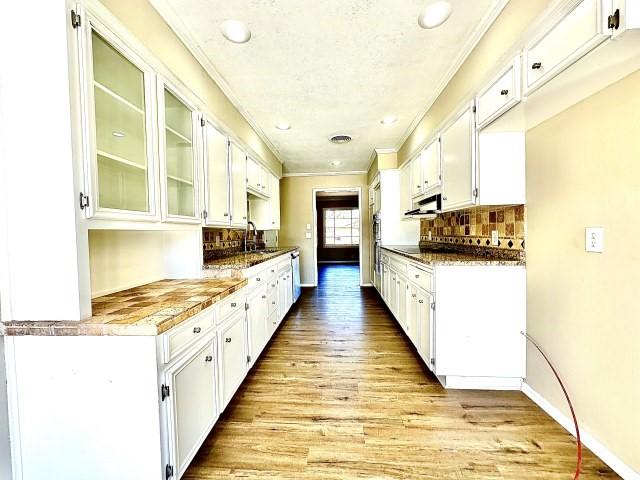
(340, 394)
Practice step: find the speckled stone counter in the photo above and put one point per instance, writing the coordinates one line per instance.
(242, 260)
(437, 257)
(149, 309)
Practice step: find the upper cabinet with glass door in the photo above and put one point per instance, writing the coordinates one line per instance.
(178, 156)
(119, 158)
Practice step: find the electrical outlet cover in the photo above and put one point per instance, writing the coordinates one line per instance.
(307, 235)
(594, 239)
(494, 238)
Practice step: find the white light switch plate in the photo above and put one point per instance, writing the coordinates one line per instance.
(594, 239)
(308, 226)
(307, 235)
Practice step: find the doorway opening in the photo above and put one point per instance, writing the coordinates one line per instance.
(338, 236)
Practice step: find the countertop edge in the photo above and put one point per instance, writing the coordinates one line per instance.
(479, 261)
(211, 265)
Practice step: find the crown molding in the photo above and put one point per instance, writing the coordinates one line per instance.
(183, 33)
(323, 174)
(468, 47)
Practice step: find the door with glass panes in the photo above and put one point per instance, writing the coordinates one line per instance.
(178, 156)
(118, 129)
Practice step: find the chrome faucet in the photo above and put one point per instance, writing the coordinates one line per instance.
(255, 236)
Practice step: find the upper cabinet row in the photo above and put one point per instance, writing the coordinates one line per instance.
(478, 155)
(148, 153)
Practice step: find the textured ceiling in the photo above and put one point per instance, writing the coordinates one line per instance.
(329, 67)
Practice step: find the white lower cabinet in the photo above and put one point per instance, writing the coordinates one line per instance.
(257, 318)
(192, 408)
(232, 339)
(457, 329)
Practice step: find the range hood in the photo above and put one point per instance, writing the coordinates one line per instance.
(428, 207)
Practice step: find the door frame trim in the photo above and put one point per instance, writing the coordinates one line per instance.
(314, 233)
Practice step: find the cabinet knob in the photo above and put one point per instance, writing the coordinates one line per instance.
(197, 329)
(257, 279)
(504, 92)
(258, 184)
(227, 340)
(274, 323)
(536, 66)
(413, 295)
(244, 218)
(273, 284)
(273, 223)
(234, 304)
(264, 296)
(417, 276)
(225, 214)
(444, 199)
(273, 303)
(420, 301)
(208, 358)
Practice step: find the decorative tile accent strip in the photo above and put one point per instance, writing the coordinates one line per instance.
(219, 242)
(473, 227)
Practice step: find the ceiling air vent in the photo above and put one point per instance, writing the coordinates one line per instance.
(340, 139)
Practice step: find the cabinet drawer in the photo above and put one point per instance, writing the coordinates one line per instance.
(578, 32)
(180, 338)
(421, 278)
(230, 305)
(501, 95)
(398, 265)
(258, 280)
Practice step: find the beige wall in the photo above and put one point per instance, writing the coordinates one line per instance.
(382, 161)
(583, 169)
(490, 52)
(296, 210)
(144, 22)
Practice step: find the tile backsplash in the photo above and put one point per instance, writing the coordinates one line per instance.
(473, 227)
(218, 242)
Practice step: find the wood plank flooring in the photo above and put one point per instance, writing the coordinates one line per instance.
(340, 394)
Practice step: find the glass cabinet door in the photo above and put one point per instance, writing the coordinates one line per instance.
(178, 154)
(122, 164)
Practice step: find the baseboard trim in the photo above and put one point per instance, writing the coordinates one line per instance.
(307, 285)
(366, 284)
(589, 441)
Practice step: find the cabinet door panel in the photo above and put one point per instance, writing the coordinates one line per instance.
(416, 176)
(192, 404)
(257, 324)
(402, 301)
(405, 190)
(217, 173)
(424, 321)
(458, 162)
(274, 202)
(238, 186)
(233, 356)
(412, 316)
(431, 166)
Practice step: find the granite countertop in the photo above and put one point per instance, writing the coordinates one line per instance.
(242, 260)
(149, 309)
(435, 257)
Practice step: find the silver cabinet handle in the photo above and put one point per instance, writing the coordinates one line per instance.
(536, 66)
(197, 329)
(208, 358)
(227, 340)
(234, 304)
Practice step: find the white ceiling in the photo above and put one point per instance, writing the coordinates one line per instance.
(330, 67)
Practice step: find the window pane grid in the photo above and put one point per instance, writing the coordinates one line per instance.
(341, 227)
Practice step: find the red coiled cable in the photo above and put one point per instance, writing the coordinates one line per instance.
(564, 390)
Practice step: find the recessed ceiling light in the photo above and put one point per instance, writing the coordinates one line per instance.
(283, 126)
(435, 14)
(388, 120)
(340, 139)
(117, 134)
(335, 163)
(235, 31)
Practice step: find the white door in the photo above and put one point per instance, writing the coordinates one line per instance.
(238, 163)
(416, 176)
(458, 162)
(424, 320)
(216, 148)
(412, 316)
(179, 157)
(257, 324)
(274, 202)
(120, 129)
(403, 287)
(192, 404)
(431, 166)
(233, 355)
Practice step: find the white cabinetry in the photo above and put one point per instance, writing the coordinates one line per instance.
(265, 212)
(500, 95)
(257, 317)
(192, 409)
(470, 343)
(216, 148)
(459, 161)
(274, 202)
(416, 176)
(575, 34)
(232, 338)
(238, 162)
(405, 190)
